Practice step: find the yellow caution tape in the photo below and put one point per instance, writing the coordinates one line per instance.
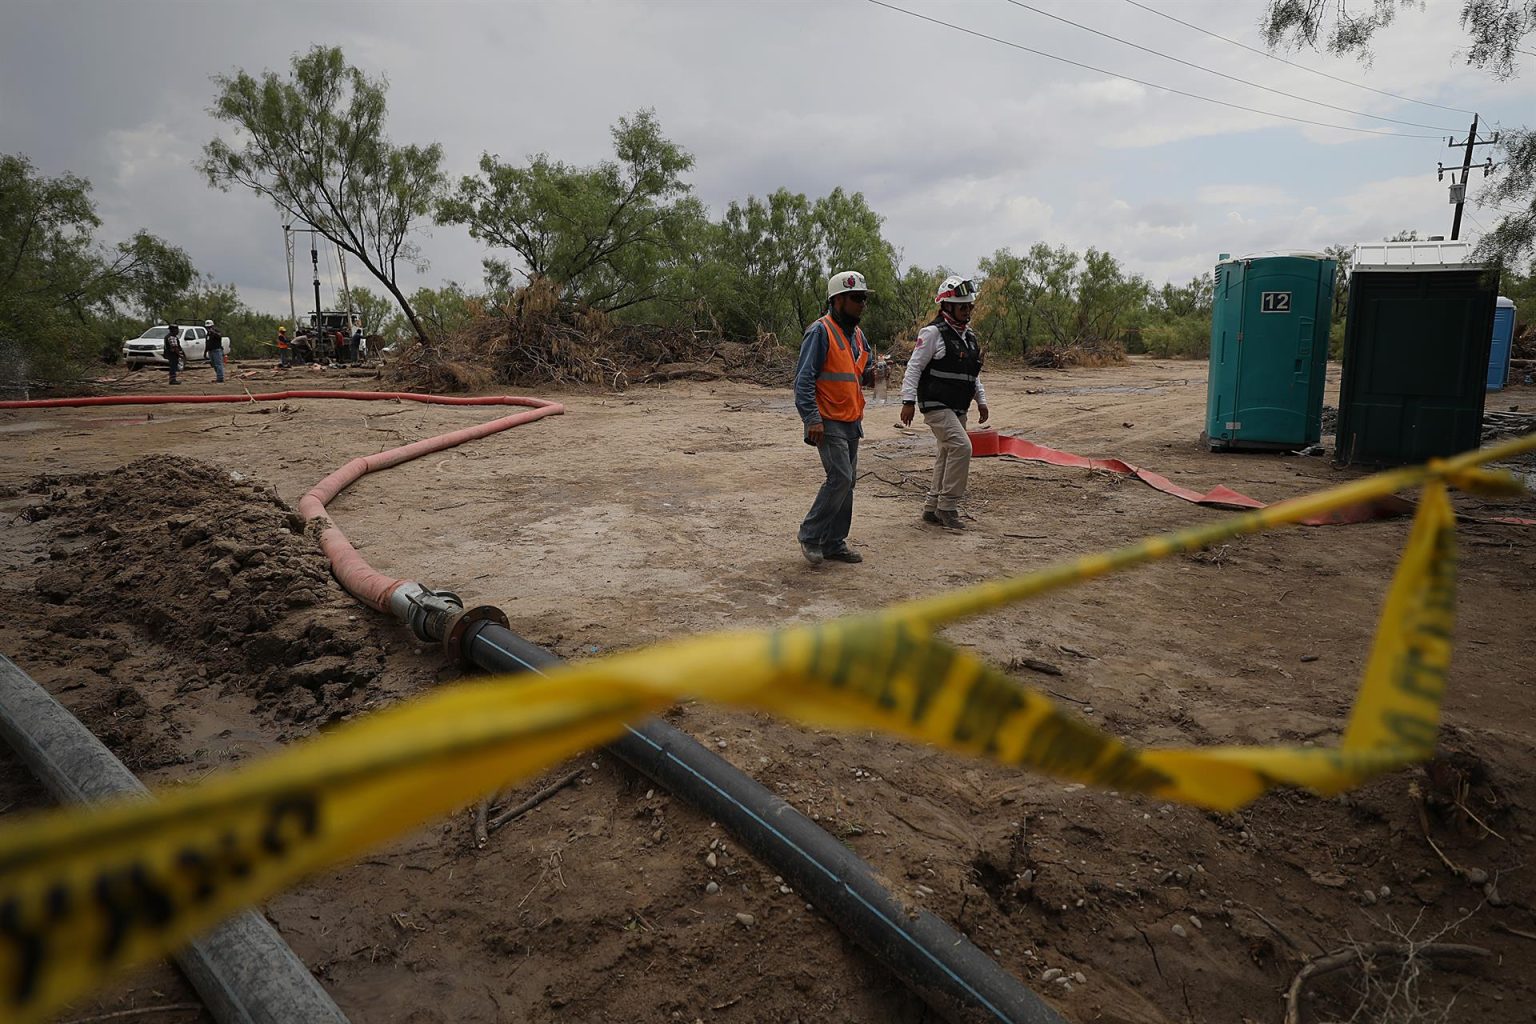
(85, 893)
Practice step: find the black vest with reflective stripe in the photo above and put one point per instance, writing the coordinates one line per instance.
(950, 382)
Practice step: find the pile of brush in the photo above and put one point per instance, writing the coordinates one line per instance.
(538, 339)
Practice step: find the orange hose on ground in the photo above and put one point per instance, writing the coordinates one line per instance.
(986, 443)
(360, 579)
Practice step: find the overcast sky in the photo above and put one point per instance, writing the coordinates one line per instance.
(963, 144)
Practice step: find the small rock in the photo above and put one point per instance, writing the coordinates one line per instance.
(656, 836)
(712, 860)
(925, 890)
(1477, 876)
(786, 890)
(720, 744)
(1196, 922)
(1052, 973)
(1178, 930)
(1028, 876)
(1080, 977)
(1309, 657)
(712, 888)
(1064, 984)
(1368, 898)
(1384, 891)
(746, 920)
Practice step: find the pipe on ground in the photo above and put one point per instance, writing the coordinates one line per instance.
(940, 965)
(244, 971)
(937, 963)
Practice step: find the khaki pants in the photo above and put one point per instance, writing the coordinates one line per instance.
(952, 465)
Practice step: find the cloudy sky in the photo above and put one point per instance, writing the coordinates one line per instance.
(964, 144)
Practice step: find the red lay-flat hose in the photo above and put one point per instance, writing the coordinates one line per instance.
(360, 579)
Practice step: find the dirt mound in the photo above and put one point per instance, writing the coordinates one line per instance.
(202, 557)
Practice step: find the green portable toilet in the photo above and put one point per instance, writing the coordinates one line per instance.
(1269, 351)
(1416, 346)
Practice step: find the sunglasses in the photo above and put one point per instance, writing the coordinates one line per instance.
(856, 296)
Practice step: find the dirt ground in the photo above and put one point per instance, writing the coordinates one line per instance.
(154, 576)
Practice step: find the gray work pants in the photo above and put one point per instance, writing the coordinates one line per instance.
(952, 464)
(826, 525)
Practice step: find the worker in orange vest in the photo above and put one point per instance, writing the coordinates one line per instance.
(830, 400)
(282, 347)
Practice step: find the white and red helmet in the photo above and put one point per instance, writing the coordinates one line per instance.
(846, 281)
(956, 289)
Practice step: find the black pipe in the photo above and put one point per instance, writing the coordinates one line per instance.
(244, 971)
(939, 964)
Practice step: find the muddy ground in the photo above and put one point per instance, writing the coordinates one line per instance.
(154, 576)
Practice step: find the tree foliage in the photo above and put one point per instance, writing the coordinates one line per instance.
(251, 335)
(607, 235)
(1054, 296)
(315, 144)
(64, 296)
(1500, 34)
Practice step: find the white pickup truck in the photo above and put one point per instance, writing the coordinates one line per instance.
(148, 349)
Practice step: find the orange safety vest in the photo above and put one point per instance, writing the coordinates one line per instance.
(282, 341)
(839, 395)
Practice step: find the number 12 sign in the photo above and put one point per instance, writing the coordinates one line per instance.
(1275, 302)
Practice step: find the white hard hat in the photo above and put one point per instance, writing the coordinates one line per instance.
(846, 281)
(207, 323)
(956, 289)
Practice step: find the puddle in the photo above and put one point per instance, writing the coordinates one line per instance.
(1102, 389)
(26, 426)
(128, 421)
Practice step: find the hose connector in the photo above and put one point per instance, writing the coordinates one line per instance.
(439, 616)
(426, 612)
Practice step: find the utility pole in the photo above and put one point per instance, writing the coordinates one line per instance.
(1459, 189)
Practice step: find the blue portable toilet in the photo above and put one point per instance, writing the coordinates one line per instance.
(1503, 343)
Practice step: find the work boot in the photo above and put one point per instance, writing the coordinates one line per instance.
(843, 554)
(811, 552)
(950, 519)
(930, 516)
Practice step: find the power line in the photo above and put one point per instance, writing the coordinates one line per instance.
(1222, 74)
(1282, 60)
(1138, 81)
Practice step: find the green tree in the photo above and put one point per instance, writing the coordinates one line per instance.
(448, 309)
(851, 239)
(606, 234)
(250, 334)
(1500, 32)
(315, 144)
(770, 266)
(64, 296)
(1005, 308)
(912, 300)
(1178, 319)
(380, 314)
